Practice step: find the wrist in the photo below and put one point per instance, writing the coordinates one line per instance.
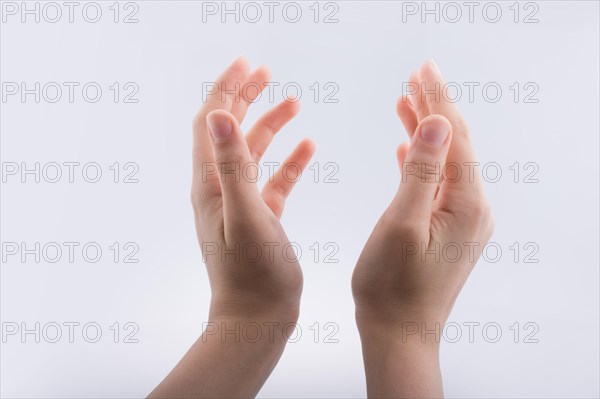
(401, 359)
(252, 332)
(236, 304)
(405, 335)
(402, 327)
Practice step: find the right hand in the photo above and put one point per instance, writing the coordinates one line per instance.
(410, 270)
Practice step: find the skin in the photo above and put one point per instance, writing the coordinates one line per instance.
(261, 294)
(404, 284)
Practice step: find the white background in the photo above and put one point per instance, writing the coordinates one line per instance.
(367, 54)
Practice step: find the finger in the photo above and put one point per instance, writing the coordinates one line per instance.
(202, 152)
(416, 97)
(401, 152)
(261, 134)
(407, 115)
(250, 90)
(421, 169)
(236, 176)
(461, 149)
(433, 84)
(278, 189)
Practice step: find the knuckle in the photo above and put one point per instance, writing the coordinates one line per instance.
(460, 126)
(279, 191)
(426, 171)
(275, 204)
(229, 162)
(481, 214)
(198, 205)
(491, 226)
(196, 199)
(407, 230)
(198, 121)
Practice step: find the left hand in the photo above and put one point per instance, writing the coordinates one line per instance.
(230, 212)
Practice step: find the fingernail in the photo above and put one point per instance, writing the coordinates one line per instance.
(435, 132)
(219, 126)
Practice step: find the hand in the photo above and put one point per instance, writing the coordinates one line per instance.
(410, 271)
(238, 226)
(255, 282)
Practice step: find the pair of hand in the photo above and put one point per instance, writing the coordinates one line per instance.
(403, 282)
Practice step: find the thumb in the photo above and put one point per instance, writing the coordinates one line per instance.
(238, 172)
(422, 169)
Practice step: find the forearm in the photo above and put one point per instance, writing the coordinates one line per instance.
(400, 364)
(232, 358)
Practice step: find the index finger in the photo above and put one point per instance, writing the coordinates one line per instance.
(219, 98)
(461, 154)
